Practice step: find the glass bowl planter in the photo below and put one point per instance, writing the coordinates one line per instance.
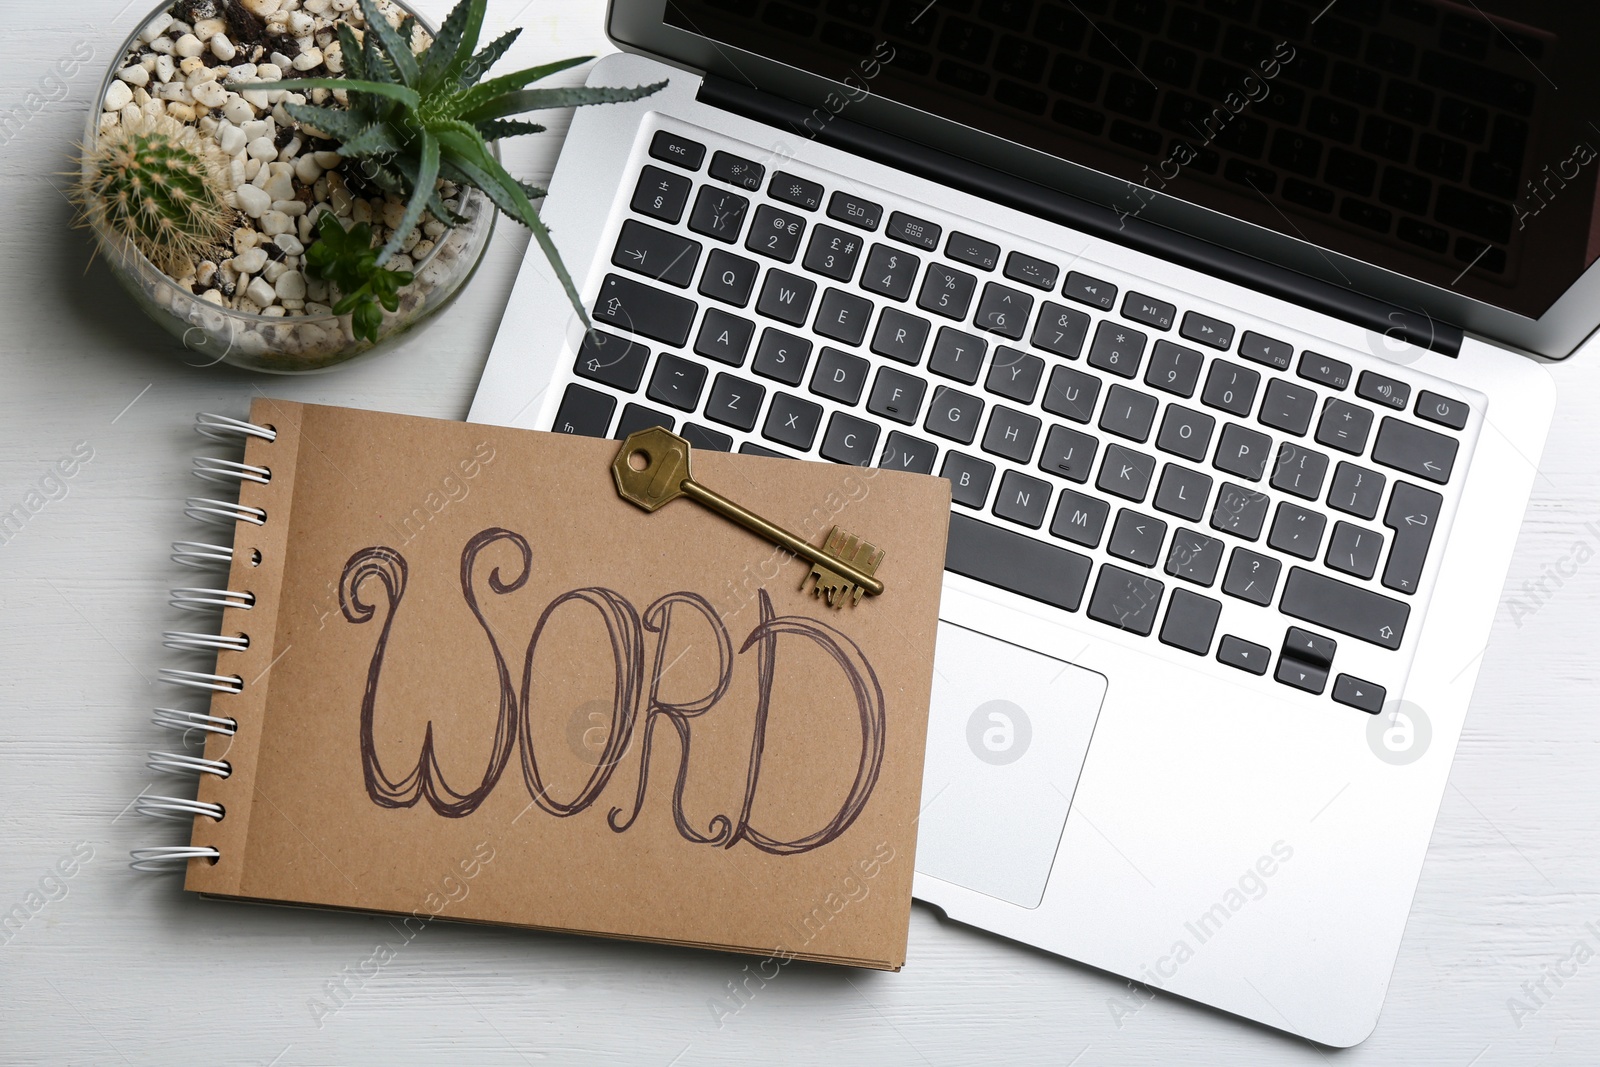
(288, 344)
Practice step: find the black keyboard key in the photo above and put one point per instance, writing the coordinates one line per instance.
(1476, 82)
(1061, 330)
(890, 272)
(954, 415)
(801, 192)
(1410, 448)
(1003, 310)
(616, 361)
(1185, 433)
(718, 214)
(1128, 413)
(1288, 406)
(1028, 270)
(776, 233)
(843, 316)
(584, 411)
(1148, 310)
(1126, 473)
(724, 337)
(897, 395)
(1022, 498)
(1174, 368)
(1011, 434)
(1245, 655)
(964, 248)
(849, 440)
(1080, 519)
(1344, 608)
(1355, 693)
(1252, 576)
(1117, 348)
(969, 478)
(833, 252)
(1258, 348)
(1301, 675)
(1344, 426)
(1239, 511)
(1137, 538)
(657, 254)
(727, 167)
(1014, 375)
(1322, 369)
(839, 376)
(734, 402)
(1385, 391)
(750, 448)
(1442, 410)
(782, 356)
(1191, 622)
(637, 417)
(1310, 647)
(792, 421)
(1016, 562)
(1068, 453)
(1354, 550)
(855, 211)
(913, 231)
(1194, 557)
(947, 291)
(1231, 387)
(644, 309)
(1356, 490)
(1299, 471)
(957, 355)
(1071, 394)
(1126, 600)
(1091, 291)
(786, 297)
(706, 438)
(661, 194)
(1243, 451)
(1413, 515)
(902, 452)
(902, 336)
(677, 382)
(678, 150)
(1183, 492)
(729, 278)
(1205, 330)
(1297, 531)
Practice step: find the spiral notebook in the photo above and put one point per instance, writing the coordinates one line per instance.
(456, 676)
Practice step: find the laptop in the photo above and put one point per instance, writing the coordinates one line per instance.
(1226, 321)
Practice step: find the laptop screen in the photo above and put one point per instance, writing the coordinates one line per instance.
(1450, 144)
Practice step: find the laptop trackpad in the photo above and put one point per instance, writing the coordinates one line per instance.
(1007, 734)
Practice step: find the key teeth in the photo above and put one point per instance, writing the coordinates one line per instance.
(834, 587)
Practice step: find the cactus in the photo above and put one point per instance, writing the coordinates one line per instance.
(155, 182)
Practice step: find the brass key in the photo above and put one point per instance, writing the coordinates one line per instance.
(652, 469)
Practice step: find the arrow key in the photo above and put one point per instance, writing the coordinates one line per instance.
(1353, 692)
(1412, 449)
(1301, 675)
(1245, 655)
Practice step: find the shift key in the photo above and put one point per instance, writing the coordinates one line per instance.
(1344, 608)
(645, 310)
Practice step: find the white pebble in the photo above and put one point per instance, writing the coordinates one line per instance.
(165, 68)
(109, 121)
(308, 59)
(306, 169)
(401, 262)
(256, 99)
(205, 29)
(209, 94)
(252, 201)
(279, 60)
(130, 115)
(262, 294)
(305, 226)
(293, 208)
(174, 91)
(276, 222)
(256, 128)
(249, 261)
(163, 45)
(155, 28)
(273, 312)
(291, 285)
(299, 23)
(269, 72)
(328, 160)
(393, 212)
(135, 75)
(238, 111)
(118, 96)
(279, 186)
(188, 45)
(181, 111)
(264, 8)
(273, 272)
(254, 171)
(232, 139)
(223, 48)
(433, 228)
(290, 244)
(212, 296)
(287, 153)
(262, 148)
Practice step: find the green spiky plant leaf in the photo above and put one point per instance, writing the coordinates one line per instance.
(422, 118)
(366, 287)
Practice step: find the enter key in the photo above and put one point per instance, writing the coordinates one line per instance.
(1413, 514)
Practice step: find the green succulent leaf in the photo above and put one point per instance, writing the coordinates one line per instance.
(403, 94)
(495, 129)
(396, 48)
(376, 139)
(347, 259)
(336, 122)
(452, 49)
(479, 64)
(535, 99)
(485, 93)
(350, 48)
(422, 183)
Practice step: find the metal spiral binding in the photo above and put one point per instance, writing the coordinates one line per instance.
(203, 555)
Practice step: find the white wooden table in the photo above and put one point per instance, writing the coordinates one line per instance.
(118, 966)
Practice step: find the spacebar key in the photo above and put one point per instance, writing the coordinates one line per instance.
(1016, 562)
(1343, 607)
(644, 309)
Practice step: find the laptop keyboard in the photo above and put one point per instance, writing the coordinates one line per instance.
(1110, 450)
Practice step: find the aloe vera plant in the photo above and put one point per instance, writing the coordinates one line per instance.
(416, 118)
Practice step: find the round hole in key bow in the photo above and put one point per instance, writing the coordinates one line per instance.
(639, 459)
